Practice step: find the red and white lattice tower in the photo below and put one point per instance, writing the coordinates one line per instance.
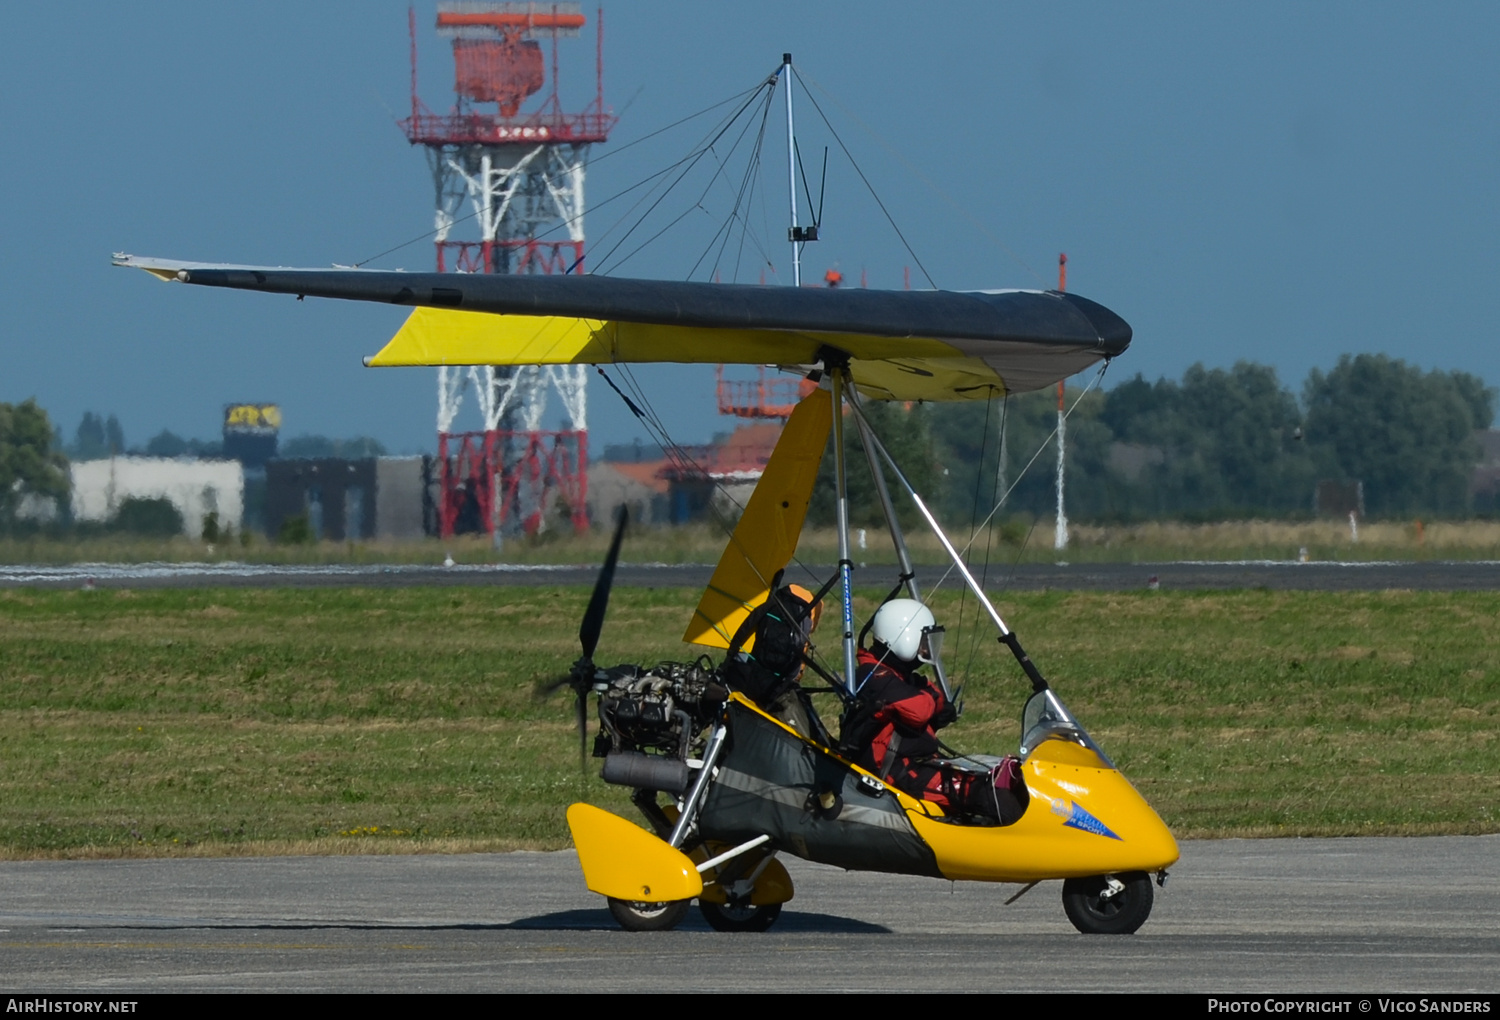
(522, 175)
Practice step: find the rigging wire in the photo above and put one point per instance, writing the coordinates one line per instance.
(741, 199)
(966, 212)
(1098, 377)
(986, 523)
(995, 498)
(614, 151)
(704, 146)
(685, 462)
(889, 219)
(692, 162)
(963, 595)
(718, 175)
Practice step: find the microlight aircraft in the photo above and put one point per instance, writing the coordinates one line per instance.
(742, 784)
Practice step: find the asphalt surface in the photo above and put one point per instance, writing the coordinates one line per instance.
(1357, 916)
(1321, 576)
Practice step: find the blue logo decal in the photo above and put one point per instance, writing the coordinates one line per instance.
(1078, 818)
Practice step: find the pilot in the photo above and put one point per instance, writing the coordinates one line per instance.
(892, 728)
(791, 705)
(769, 675)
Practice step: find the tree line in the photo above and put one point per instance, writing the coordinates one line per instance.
(1217, 444)
(98, 436)
(34, 459)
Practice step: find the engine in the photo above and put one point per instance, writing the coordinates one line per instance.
(651, 720)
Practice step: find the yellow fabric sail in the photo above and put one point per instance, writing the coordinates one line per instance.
(766, 536)
(884, 368)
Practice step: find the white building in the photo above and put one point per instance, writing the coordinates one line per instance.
(195, 487)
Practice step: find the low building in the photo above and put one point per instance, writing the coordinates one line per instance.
(347, 500)
(401, 497)
(718, 479)
(636, 485)
(196, 488)
(34, 507)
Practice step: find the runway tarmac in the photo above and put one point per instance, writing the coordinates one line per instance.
(1322, 576)
(1356, 916)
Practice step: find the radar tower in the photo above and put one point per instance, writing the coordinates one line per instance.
(523, 175)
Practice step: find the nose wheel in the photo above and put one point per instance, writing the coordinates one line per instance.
(638, 916)
(1108, 904)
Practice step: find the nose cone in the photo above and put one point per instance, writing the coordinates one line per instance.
(1084, 819)
(1097, 822)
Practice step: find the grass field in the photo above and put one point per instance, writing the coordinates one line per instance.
(702, 543)
(271, 721)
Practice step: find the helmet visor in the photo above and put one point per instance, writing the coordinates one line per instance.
(931, 649)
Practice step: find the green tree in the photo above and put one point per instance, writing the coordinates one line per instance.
(908, 437)
(155, 517)
(29, 459)
(1228, 442)
(1407, 435)
(166, 444)
(1222, 443)
(968, 435)
(169, 444)
(97, 438)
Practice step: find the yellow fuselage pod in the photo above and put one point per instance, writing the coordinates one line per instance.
(1084, 819)
(623, 860)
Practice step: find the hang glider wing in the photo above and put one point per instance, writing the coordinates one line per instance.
(901, 345)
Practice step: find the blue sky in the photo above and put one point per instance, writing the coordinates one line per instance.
(1278, 182)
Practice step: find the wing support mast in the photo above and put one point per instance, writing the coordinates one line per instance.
(795, 234)
(908, 577)
(837, 365)
(844, 391)
(840, 384)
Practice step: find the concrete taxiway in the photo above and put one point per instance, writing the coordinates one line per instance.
(1356, 916)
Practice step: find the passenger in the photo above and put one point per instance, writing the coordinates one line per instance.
(892, 728)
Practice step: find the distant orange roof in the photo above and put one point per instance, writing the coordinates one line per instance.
(749, 446)
(644, 472)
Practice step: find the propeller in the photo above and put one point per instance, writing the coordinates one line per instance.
(581, 676)
(593, 617)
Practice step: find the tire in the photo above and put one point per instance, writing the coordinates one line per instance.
(721, 917)
(1095, 913)
(636, 916)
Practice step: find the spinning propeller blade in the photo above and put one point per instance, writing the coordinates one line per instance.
(547, 688)
(581, 678)
(593, 617)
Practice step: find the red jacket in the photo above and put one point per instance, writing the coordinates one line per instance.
(905, 702)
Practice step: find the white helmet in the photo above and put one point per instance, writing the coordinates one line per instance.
(900, 625)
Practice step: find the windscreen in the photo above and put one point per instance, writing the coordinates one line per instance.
(1046, 718)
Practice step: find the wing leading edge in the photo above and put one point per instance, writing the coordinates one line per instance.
(903, 345)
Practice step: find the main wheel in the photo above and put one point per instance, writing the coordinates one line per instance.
(636, 916)
(1096, 908)
(745, 917)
